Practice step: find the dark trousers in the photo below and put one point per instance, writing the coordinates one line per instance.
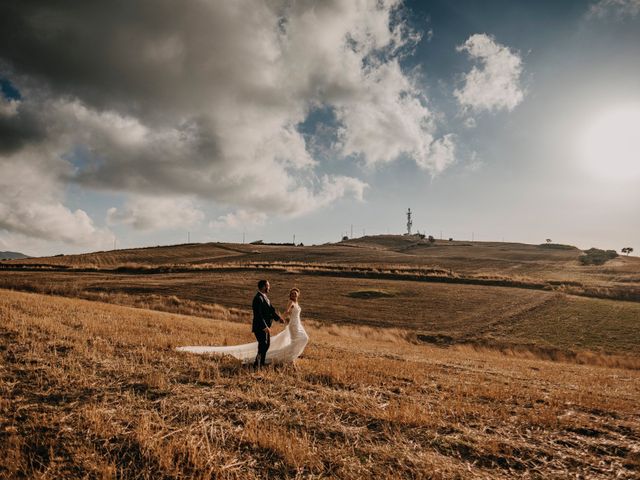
(264, 340)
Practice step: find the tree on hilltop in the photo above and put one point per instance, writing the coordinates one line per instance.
(627, 250)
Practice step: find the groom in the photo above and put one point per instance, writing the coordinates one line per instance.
(263, 316)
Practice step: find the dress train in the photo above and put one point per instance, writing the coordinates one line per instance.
(285, 347)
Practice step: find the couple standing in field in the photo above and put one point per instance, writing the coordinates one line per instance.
(284, 347)
(288, 344)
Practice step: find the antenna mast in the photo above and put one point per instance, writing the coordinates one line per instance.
(409, 222)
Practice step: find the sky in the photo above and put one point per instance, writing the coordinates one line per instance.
(127, 124)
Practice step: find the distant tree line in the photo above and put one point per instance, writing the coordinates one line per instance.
(285, 244)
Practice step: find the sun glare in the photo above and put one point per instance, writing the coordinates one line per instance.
(610, 144)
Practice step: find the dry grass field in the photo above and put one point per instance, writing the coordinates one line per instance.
(466, 258)
(548, 323)
(385, 256)
(92, 390)
(453, 360)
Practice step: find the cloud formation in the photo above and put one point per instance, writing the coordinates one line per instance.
(388, 119)
(238, 220)
(31, 204)
(152, 213)
(204, 100)
(303, 201)
(618, 9)
(494, 84)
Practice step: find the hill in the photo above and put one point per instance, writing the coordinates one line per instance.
(12, 255)
(550, 267)
(91, 390)
(486, 258)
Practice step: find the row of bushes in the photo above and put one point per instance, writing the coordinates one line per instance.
(557, 246)
(596, 256)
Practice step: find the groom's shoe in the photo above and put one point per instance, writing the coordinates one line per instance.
(257, 368)
(258, 365)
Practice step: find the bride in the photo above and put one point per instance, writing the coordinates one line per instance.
(285, 347)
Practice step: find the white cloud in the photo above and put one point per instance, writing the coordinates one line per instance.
(31, 204)
(328, 189)
(239, 219)
(207, 106)
(618, 9)
(388, 119)
(495, 83)
(442, 153)
(156, 213)
(331, 189)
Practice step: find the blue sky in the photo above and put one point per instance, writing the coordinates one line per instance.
(504, 120)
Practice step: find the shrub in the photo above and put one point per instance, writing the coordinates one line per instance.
(557, 246)
(596, 256)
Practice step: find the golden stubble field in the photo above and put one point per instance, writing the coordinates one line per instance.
(92, 390)
(424, 362)
(503, 317)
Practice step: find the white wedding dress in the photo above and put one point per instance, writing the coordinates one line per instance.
(285, 347)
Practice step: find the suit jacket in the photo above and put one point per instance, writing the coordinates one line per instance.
(263, 313)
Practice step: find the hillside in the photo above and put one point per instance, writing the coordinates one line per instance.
(496, 316)
(383, 282)
(91, 390)
(513, 260)
(12, 255)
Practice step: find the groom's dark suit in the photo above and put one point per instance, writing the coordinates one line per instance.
(263, 316)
